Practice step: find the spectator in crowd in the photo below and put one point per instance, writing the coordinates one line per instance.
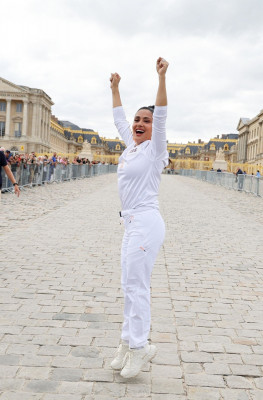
(52, 165)
(8, 155)
(240, 178)
(4, 164)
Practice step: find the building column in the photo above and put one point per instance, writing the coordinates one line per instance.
(8, 115)
(25, 115)
(40, 127)
(260, 139)
(34, 120)
(244, 150)
(46, 125)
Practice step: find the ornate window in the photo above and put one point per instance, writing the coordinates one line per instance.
(80, 139)
(118, 147)
(18, 129)
(18, 107)
(2, 128)
(93, 140)
(187, 150)
(2, 106)
(226, 147)
(212, 146)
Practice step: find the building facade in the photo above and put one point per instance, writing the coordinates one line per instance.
(24, 118)
(206, 152)
(250, 140)
(27, 125)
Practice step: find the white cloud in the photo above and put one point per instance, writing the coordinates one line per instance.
(69, 47)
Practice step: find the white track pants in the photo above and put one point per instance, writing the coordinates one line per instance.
(143, 237)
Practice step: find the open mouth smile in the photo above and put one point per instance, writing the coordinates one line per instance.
(139, 132)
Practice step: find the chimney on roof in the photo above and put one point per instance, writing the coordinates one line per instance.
(199, 141)
(217, 137)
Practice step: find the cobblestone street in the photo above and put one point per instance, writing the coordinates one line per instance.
(61, 301)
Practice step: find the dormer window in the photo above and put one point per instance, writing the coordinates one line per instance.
(212, 146)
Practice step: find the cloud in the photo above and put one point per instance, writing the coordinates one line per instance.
(69, 48)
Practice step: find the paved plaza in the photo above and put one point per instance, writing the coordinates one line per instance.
(61, 301)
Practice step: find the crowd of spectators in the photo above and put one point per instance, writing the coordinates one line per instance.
(32, 169)
(32, 158)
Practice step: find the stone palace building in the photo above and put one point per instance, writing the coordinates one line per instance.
(24, 118)
(27, 124)
(250, 143)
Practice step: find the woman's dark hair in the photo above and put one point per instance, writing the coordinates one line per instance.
(150, 108)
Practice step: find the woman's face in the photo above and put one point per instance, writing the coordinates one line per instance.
(142, 126)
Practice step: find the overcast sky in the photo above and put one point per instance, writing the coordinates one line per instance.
(68, 48)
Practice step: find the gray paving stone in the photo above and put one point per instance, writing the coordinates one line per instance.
(8, 359)
(239, 382)
(63, 397)
(234, 394)
(76, 387)
(253, 359)
(196, 357)
(66, 316)
(211, 347)
(204, 380)
(7, 371)
(37, 361)
(34, 373)
(65, 362)
(197, 393)
(192, 368)
(256, 394)
(109, 389)
(85, 351)
(10, 384)
(66, 374)
(61, 306)
(166, 359)
(217, 369)
(259, 383)
(21, 395)
(167, 385)
(41, 386)
(54, 350)
(245, 370)
(138, 390)
(167, 397)
(166, 371)
(98, 375)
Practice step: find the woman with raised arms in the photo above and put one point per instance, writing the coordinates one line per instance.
(139, 175)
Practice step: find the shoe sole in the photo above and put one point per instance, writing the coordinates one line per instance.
(149, 357)
(116, 368)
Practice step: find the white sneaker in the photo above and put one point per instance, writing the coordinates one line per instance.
(117, 363)
(135, 360)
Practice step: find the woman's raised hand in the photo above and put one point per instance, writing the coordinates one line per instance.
(161, 66)
(115, 80)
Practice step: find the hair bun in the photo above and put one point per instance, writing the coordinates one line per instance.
(150, 108)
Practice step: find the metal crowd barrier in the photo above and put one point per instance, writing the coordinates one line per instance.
(242, 182)
(29, 175)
